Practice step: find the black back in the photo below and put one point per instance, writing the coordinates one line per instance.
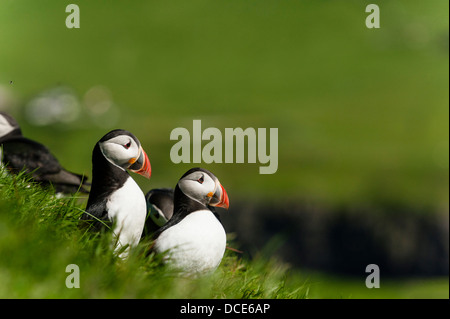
(20, 153)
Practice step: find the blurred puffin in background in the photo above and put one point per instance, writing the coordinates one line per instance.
(19, 153)
(115, 198)
(159, 209)
(194, 237)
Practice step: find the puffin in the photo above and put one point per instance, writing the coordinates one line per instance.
(159, 209)
(194, 239)
(115, 199)
(20, 153)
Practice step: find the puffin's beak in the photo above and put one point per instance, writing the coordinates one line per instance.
(141, 165)
(220, 198)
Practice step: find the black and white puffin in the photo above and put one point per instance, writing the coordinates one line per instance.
(20, 153)
(159, 209)
(194, 237)
(115, 198)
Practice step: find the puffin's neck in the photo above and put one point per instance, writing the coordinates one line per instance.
(183, 206)
(106, 177)
(15, 133)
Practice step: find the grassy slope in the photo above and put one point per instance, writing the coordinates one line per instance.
(39, 237)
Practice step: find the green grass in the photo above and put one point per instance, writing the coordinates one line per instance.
(326, 286)
(40, 236)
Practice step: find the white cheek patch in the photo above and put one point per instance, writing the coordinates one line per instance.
(118, 155)
(157, 216)
(196, 191)
(5, 127)
(110, 156)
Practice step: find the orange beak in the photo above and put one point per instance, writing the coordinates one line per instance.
(220, 198)
(142, 165)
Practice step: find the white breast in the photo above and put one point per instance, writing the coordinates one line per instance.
(127, 211)
(195, 244)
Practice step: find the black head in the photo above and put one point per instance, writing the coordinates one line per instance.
(122, 149)
(198, 189)
(160, 205)
(8, 126)
(203, 187)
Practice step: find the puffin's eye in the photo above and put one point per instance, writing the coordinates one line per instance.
(127, 146)
(200, 180)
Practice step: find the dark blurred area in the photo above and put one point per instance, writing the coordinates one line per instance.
(402, 241)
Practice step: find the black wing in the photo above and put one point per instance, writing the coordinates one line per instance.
(96, 216)
(24, 154)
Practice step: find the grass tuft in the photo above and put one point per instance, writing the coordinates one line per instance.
(40, 235)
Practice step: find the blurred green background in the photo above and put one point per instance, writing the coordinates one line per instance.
(363, 114)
